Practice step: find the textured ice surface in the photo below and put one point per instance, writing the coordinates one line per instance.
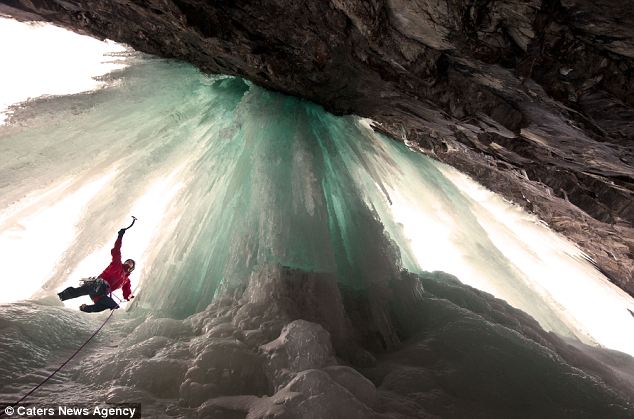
(462, 353)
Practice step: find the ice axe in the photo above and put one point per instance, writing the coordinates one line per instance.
(130, 226)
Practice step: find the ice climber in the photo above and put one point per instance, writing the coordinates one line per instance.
(100, 289)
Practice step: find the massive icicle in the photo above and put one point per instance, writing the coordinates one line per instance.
(257, 210)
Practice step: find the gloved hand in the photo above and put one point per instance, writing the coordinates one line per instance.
(129, 298)
(121, 232)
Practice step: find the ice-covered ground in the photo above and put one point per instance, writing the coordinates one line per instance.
(284, 344)
(256, 210)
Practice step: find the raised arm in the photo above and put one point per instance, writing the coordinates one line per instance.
(116, 250)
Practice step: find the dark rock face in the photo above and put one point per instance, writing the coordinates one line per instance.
(533, 99)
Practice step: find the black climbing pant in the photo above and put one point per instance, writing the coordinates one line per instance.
(102, 304)
(96, 289)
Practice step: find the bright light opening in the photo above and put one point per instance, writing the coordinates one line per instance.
(33, 240)
(49, 61)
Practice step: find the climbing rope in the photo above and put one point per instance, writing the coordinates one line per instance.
(76, 352)
(65, 362)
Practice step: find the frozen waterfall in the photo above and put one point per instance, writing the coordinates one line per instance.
(237, 188)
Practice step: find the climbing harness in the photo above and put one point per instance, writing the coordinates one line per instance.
(99, 286)
(65, 362)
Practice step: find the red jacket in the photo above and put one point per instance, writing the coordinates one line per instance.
(114, 274)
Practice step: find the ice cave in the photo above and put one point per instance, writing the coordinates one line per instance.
(344, 209)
